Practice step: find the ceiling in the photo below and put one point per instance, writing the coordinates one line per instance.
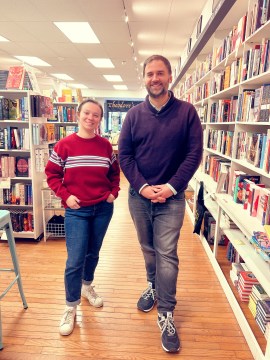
(155, 26)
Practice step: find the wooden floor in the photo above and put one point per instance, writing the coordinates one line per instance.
(206, 324)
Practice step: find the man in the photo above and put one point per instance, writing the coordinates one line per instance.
(160, 148)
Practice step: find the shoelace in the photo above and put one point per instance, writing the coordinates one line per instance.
(168, 324)
(149, 292)
(69, 316)
(92, 292)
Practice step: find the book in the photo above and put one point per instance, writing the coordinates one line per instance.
(15, 77)
(22, 166)
(239, 195)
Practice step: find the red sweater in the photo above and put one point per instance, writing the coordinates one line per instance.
(86, 168)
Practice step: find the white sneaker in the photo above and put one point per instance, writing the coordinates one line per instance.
(89, 293)
(67, 322)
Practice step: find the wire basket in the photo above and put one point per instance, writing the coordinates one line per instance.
(55, 230)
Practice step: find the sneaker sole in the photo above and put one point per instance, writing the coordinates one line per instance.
(170, 351)
(96, 306)
(146, 310)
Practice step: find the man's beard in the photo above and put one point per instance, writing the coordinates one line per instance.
(162, 92)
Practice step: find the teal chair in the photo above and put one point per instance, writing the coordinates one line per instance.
(5, 224)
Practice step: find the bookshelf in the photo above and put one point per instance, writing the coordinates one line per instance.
(22, 170)
(229, 94)
(64, 119)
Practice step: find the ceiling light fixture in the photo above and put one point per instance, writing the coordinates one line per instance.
(2, 38)
(120, 87)
(78, 32)
(101, 62)
(62, 76)
(32, 60)
(116, 78)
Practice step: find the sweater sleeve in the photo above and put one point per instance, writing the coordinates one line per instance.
(54, 171)
(193, 157)
(127, 160)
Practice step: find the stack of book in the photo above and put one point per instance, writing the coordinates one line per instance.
(263, 314)
(257, 294)
(235, 271)
(246, 280)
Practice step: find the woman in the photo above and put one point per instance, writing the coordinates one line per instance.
(84, 173)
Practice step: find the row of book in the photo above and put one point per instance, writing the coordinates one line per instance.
(22, 220)
(253, 62)
(253, 195)
(254, 148)
(220, 141)
(12, 137)
(50, 132)
(41, 158)
(64, 113)
(215, 166)
(15, 166)
(251, 105)
(17, 194)
(41, 106)
(14, 109)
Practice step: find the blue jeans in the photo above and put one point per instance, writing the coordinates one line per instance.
(158, 228)
(85, 230)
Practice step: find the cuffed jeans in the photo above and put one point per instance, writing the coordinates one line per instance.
(158, 228)
(85, 229)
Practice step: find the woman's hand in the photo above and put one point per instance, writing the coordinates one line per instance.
(73, 202)
(110, 198)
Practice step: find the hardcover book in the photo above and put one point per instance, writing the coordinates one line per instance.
(15, 77)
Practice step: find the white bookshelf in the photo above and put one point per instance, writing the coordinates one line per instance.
(218, 204)
(35, 177)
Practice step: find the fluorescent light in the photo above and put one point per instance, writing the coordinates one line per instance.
(101, 62)
(32, 60)
(78, 32)
(78, 86)
(3, 39)
(113, 78)
(120, 87)
(62, 76)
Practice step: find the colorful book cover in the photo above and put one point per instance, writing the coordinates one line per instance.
(15, 77)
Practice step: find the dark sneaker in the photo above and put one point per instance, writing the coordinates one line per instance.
(169, 337)
(148, 299)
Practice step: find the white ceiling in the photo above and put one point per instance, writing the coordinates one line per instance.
(156, 26)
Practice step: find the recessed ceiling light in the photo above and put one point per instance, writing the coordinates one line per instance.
(78, 32)
(3, 39)
(120, 87)
(32, 60)
(113, 78)
(101, 62)
(62, 76)
(78, 86)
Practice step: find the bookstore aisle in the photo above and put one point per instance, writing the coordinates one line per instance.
(205, 321)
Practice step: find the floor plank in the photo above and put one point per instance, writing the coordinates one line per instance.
(118, 331)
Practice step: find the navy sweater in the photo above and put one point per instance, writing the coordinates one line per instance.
(159, 147)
